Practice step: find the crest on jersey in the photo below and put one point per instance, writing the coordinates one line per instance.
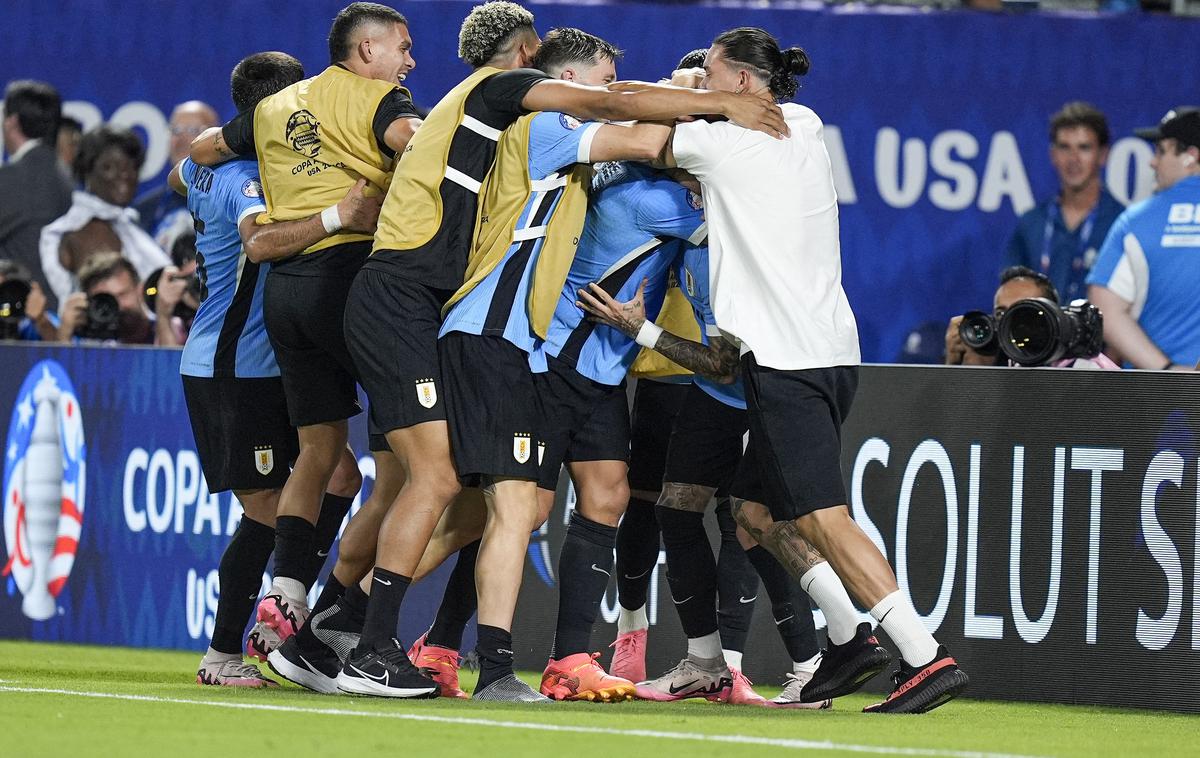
(264, 459)
(426, 393)
(521, 445)
(695, 200)
(569, 122)
(251, 188)
(303, 131)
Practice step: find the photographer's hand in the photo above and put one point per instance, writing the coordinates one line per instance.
(170, 291)
(958, 354)
(72, 316)
(35, 311)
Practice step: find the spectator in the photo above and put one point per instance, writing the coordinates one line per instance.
(1148, 274)
(32, 191)
(36, 323)
(110, 274)
(1016, 283)
(99, 219)
(163, 213)
(1060, 237)
(70, 131)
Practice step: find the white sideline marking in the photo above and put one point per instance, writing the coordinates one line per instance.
(739, 739)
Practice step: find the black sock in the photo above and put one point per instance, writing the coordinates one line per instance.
(737, 584)
(458, 602)
(240, 575)
(293, 547)
(495, 654)
(383, 611)
(330, 593)
(355, 602)
(584, 568)
(333, 511)
(637, 553)
(691, 570)
(789, 605)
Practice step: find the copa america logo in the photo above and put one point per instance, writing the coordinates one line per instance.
(43, 487)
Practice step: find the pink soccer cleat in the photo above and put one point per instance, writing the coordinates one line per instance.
(439, 664)
(629, 655)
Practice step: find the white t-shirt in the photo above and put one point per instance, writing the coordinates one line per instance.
(775, 263)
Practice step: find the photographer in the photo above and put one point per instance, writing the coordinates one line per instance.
(1019, 283)
(111, 308)
(23, 312)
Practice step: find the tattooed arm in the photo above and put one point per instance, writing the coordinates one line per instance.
(718, 360)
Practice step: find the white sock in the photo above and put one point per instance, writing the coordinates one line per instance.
(898, 618)
(631, 621)
(292, 589)
(215, 656)
(733, 659)
(706, 647)
(807, 667)
(827, 590)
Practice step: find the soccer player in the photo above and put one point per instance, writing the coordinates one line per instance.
(314, 141)
(419, 260)
(230, 377)
(775, 275)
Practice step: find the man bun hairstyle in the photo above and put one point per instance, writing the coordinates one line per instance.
(1079, 113)
(491, 29)
(694, 59)
(756, 50)
(36, 105)
(262, 74)
(99, 139)
(350, 19)
(562, 47)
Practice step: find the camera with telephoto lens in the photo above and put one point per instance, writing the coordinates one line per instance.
(1036, 332)
(102, 319)
(182, 309)
(13, 294)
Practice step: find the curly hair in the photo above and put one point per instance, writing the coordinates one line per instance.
(489, 29)
(100, 139)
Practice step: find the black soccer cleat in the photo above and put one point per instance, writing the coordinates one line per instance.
(845, 668)
(313, 656)
(384, 671)
(920, 690)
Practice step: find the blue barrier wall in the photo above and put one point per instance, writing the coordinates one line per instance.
(937, 119)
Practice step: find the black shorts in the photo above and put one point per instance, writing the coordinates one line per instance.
(655, 405)
(582, 420)
(391, 329)
(242, 432)
(706, 443)
(796, 434)
(491, 407)
(304, 316)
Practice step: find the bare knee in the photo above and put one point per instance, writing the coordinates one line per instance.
(605, 504)
(685, 497)
(750, 516)
(346, 479)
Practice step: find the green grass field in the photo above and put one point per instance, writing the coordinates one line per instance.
(68, 700)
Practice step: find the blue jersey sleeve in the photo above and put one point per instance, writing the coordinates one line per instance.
(244, 193)
(187, 171)
(667, 209)
(557, 140)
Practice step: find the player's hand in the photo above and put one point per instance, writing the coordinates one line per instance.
(72, 315)
(687, 77)
(603, 308)
(35, 303)
(359, 213)
(171, 285)
(758, 112)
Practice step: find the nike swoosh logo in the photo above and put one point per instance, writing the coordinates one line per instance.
(681, 602)
(676, 690)
(779, 622)
(638, 576)
(254, 596)
(322, 553)
(744, 600)
(384, 582)
(602, 571)
(381, 679)
(505, 652)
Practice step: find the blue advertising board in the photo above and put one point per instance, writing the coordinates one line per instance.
(937, 121)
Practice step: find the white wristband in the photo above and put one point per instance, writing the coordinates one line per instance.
(648, 335)
(331, 219)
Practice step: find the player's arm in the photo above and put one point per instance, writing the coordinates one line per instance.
(355, 212)
(718, 360)
(654, 102)
(218, 144)
(175, 180)
(399, 132)
(1123, 334)
(629, 142)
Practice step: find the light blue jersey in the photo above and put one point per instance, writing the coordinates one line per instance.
(1151, 259)
(228, 337)
(693, 280)
(637, 224)
(498, 305)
